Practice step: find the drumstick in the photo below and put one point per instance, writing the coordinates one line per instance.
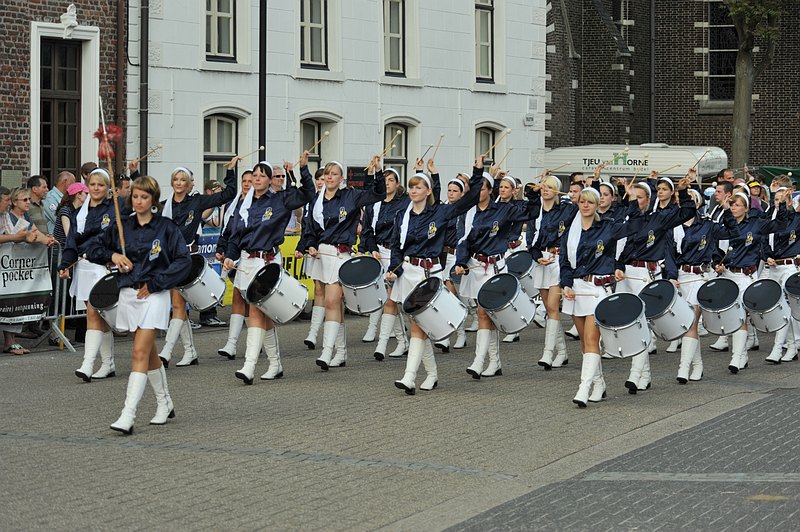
(504, 156)
(319, 140)
(553, 170)
(148, 154)
(388, 147)
(670, 168)
(506, 132)
(438, 143)
(700, 159)
(73, 264)
(260, 148)
(635, 175)
(426, 151)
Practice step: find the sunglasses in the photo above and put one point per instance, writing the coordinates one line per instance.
(23, 199)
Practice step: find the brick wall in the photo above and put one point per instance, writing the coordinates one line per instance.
(15, 55)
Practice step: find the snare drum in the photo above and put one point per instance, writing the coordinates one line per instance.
(623, 326)
(362, 284)
(766, 305)
(437, 312)
(503, 299)
(792, 289)
(203, 288)
(279, 295)
(104, 298)
(720, 306)
(668, 314)
(520, 264)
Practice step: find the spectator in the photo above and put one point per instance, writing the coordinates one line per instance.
(38, 187)
(86, 169)
(53, 198)
(70, 203)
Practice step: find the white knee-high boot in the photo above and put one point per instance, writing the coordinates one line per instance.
(794, 342)
(461, 334)
(637, 365)
(415, 352)
(401, 335)
(598, 385)
(494, 369)
(688, 352)
(550, 331)
(317, 317)
(644, 380)
(561, 358)
(752, 338)
(94, 339)
(330, 330)
(107, 369)
(340, 353)
(697, 365)
(429, 363)
(739, 348)
(136, 385)
(777, 348)
(387, 325)
(372, 328)
(234, 331)
(189, 352)
(255, 341)
(273, 349)
(482, 340)
(589, 366)
(164, 407)
(173, 331)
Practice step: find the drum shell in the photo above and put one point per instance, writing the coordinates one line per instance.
(109, 312)
(626, 340)
(441, 316)
(673, 322)
(792, 295)
(206, 290)
(368, 296)
(776, 317)
(286, 299)
(526, 279)
(725, 320)
(516, 313)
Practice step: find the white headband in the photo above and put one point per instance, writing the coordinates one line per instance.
(265, 163)
(594, 192)
(668, 181)
(392, 170)
(511, 180)
(457, 182)
(744, 196)
(102, 172)
(182, 169)
(644, 186)
(424, 178)
(610, 186)
(339, 165)
(489, 178)
(696, 195)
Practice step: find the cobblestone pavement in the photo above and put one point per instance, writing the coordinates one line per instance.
(347, 450)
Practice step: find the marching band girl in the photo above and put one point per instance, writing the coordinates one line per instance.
(507, 192)
(692, 256)
(640, 259)
(334, 219)
(586, 270)
(86, 226)
(257, 239)
(782, 262)
(544, 241)
(377, 229)
(418, 241)
(186, 211)
(156, 260)
(318, 306)
(239, 308)
(481, 254)
(742, 258)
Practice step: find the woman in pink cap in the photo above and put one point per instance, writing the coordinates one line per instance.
(70, 203)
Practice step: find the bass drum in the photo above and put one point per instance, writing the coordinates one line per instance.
(668, 314)
(104, 298)
(279, 295)
(437, 311)
(623, 326)
(362, 284)
(503, 299)
(766, 305)
(719, 304)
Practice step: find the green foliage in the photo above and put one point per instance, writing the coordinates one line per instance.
(757, 19)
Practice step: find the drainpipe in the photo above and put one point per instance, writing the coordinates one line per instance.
(262, 75)
(144, 62)
(653, 71)
(120, 76)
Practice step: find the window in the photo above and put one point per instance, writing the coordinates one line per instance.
(60, 89)
(314, 34)
(485, 139)
(220, 30)
(220, 144)
(311, 131)
(722, 46)
(396, 157)
(484, 40)
(394, 37)
(620, 14)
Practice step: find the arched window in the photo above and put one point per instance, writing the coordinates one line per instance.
(396, 157)
(220, 144)
(484, 140)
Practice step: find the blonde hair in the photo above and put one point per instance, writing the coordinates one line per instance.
(415, 180)
(551, 182)
(17, 193)
(592, 196)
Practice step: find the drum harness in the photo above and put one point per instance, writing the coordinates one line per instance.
(486, 260)
(424, 263)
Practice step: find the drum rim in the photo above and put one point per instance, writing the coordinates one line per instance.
(357, 287)
(621, 327)
(526, 273)
(278, 283)
(199, 277)
(427, 305)
(498, 309)
(675, 296)
(271, 291)
(735, 301)
(786, 285)
(773, 307)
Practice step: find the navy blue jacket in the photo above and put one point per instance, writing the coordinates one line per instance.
(553, 225)
(98, 219)
(188, 214)
(747, 239)
(786, 244)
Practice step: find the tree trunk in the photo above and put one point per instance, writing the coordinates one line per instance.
(741, 125)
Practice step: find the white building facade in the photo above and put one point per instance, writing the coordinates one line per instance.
(461, 73)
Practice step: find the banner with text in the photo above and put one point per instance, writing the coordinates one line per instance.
(25, 285)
